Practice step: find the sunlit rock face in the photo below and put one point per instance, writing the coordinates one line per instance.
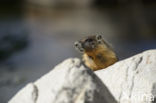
(69, 82)
(132, 80)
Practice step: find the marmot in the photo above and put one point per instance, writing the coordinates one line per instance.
(97, 53)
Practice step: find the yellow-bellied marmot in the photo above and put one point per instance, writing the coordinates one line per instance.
(97, 54)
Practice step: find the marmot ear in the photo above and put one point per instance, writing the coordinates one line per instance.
(99, 37)
(78, 46)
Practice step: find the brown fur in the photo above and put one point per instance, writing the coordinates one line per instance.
(99, 57)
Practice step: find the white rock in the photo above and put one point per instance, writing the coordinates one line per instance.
(132, 80)
(69, 82)
(27, 95)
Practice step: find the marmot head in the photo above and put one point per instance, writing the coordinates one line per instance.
(89, 43)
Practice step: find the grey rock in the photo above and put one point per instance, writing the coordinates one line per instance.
(69, 82)
(132, 80)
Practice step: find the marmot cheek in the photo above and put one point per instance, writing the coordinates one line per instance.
(81, 50)
(93, 46)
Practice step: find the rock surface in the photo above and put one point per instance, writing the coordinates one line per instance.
(69, 82)
(129, 81)
(132, 80)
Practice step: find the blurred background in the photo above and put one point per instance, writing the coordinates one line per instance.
(36, 35)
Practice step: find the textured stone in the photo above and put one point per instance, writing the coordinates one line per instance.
(132, 80)
(27, 95)
(69, 82)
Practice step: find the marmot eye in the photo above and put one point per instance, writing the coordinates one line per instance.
(98, 37)
(76, 44)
